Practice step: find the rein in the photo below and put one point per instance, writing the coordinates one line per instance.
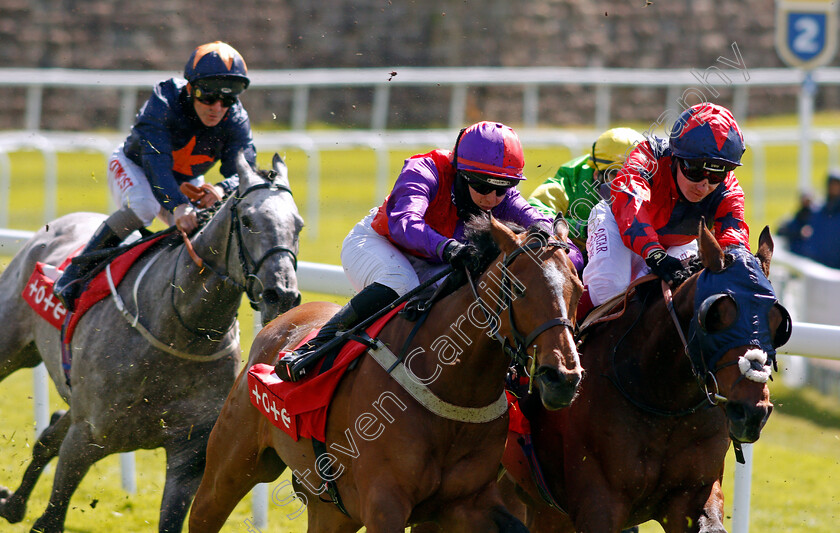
(250, 267)
(706, 402)
(714, 398)
(250, 270)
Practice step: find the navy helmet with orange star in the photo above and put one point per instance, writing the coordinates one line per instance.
(216, 69)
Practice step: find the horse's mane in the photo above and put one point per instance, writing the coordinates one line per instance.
(477, 232)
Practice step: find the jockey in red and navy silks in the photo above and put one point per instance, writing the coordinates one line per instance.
(663, 191)
(184, 128)
(420, 227)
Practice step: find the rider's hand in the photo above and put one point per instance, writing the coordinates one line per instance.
(670, 269)
(211, 195)
(186, 219)
(462, 256)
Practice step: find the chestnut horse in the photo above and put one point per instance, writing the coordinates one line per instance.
(419, 466)
(647, 436)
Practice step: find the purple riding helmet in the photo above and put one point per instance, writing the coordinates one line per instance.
(491, 152)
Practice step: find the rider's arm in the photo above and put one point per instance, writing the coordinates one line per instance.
(155, 144)
(730, 226)
(631, 200)
(413, 191)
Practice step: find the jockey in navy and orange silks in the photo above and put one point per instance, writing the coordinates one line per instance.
(182, 130)
(420, 226)
(663, 191)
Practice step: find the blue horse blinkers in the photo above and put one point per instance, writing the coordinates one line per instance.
(753, 296)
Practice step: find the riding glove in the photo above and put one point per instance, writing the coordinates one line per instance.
(670, 269)
(462, 256)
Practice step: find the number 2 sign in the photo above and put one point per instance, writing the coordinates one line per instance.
(806, 32)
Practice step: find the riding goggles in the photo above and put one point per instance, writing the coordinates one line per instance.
(703, 169)
(208, 98)
(210, 90)
(482, 186)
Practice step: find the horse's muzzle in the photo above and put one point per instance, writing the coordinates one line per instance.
(278, 301)
(747, 421)
(557, 388)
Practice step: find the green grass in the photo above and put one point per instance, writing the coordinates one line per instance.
(797, 461)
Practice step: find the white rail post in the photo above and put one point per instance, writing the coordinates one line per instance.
(128, 467)
(741, 499)
(41, 398)
(806, 112)
(259, 494)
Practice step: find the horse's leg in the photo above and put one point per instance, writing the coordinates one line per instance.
(699, 511)
(482, 512)
(13, 506)
(185, 458)
(77, 453)
(384, 507)
(234, 465)
(18, 355)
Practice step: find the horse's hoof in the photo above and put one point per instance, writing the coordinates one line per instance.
(12, 513)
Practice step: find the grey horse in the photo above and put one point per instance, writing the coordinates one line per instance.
(162, 381)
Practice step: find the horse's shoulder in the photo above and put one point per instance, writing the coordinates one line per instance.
(289, 329)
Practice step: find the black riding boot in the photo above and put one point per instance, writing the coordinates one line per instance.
(372, 299)
(68, 287)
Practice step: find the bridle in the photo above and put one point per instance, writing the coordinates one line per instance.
(510, 287)
(250, 268)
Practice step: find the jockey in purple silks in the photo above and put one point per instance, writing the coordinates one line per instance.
(419, 229)
(180, 132)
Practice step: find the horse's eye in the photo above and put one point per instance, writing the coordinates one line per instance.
(717, 313)
(246, 221)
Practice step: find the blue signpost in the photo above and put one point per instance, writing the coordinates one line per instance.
(806, 38)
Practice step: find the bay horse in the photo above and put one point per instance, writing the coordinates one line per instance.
(422, 466)
(163, 382)
(647, 436)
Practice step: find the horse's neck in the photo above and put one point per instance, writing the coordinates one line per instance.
(651, 359)
(203, 297)
(471, 363)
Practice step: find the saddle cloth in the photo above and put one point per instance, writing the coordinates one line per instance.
(300, 408)
(97, 288)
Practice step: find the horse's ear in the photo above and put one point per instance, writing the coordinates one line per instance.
(765, 250)
(710, 251)
(247, 175)
(561, 228)
(281, 172)
(503, 236)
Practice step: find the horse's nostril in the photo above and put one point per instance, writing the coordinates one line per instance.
(271, 297)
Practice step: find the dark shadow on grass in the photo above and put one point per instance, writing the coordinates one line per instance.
(806, 403)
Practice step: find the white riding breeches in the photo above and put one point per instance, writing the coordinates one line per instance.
(130, 188)
(368, 257)
(612, 266)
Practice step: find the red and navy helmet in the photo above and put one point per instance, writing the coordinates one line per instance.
(217, 60)
(708, 132)
(491, 150)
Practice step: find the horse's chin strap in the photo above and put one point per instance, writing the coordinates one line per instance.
(713, 396)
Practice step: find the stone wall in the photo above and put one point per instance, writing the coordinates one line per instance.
(272, 34)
